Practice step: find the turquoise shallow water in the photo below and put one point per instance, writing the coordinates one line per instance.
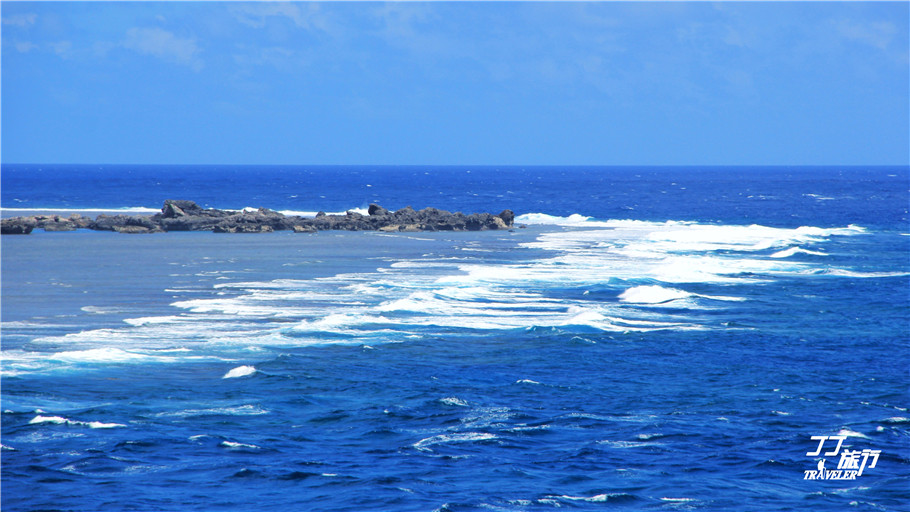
(643, 354)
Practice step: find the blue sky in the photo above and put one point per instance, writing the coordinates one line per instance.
(526, 83)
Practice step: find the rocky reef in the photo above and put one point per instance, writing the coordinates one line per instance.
(182, 215)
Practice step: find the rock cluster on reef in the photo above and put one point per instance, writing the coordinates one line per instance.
(181, 215)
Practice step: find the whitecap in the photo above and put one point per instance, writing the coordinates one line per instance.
(311, 213)
(463, 437)
(239, 410)
(240, 371)
(840, 272)
(818, 197)
(851, 433)
(235, 445)
(59, 420)
(102, 355)
(528, 428)
(553, 220)
(652, 294)
(99, 424)
(599, 498)
(148, 320)
(624, 444)
(786, 253)
(526, 381)
(850, 230)
(101, 310)
(645, 437)
(451, 400)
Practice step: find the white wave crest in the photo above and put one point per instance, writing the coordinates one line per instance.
(236, 446)
(552, 220)
(850, 230)
(451, 400)
(101, 310)
(652, 294)
(310, 213)
(464, 437)
(240, 371)
(239, 410)
(842, 272)
(153, 320)
(59, 420)
(786, 253)
(851, 433)
(599, 498)
(103, 355)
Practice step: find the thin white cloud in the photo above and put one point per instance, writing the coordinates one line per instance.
(20, 20)
(256, 15)
(878, 34)
(63, 49)
(164, 45)
(25, 46)
(284, 59)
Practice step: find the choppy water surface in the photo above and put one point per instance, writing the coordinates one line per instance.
(588, 360)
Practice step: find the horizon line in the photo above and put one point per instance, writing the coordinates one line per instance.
(905, 164)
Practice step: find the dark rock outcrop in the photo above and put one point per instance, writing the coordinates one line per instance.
(375, 209)
(181, 215)
(17, 226)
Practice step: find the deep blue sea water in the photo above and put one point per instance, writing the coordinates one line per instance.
(653, 339)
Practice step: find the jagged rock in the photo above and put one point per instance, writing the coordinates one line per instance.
(243, 228)
(171, 210)
(181, 208)
(17, 225)
(508, 218)
(375, 209)
(135, 229)
(475, 222)
(54, 223)
(181, 215)
(80, 221)
(406, 215)
(106, 222)
(120, 222)
(350, 221)
(59, 226)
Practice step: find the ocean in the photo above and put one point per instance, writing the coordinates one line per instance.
(645, 338)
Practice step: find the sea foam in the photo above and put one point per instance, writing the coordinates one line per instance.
(59, 420)
(240, 371)
(462, 437)
(652, 294)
